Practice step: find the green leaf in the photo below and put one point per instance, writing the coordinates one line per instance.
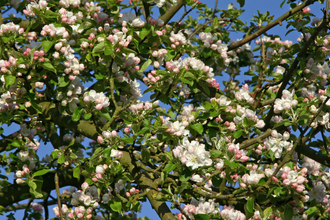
(32, 185)
(41, 172)
(143, 130)
(54, 154)
(189, 75)
(187, 81)
(144, 32)
(35, 106)
(185, 175)
(15, 144)
(89, 181)
(76, 172)
(202, 217)
(237, 134)
(197, 127)
(76, 114)
(10, 79)
(145, 65)
(46, 45)
(311, 210)
(73, 156)
(207, 105)
(327, 91)
(116, 206)
(5, 39)
(205, 88)
(145, 154)
(216, 181)
(107, 152)
(250, 205)
(95, 157)
(268, 211)
(63, 81)
(169, 167)
(207, 30)
(99, 48)
(48, 66)
(87, 116)
(288, 213)
(128, 140)
(105, 115)
(108, 52)
(61, 159)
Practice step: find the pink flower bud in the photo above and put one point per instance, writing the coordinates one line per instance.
(99, 139)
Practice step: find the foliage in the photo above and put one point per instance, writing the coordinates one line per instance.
(74, 71)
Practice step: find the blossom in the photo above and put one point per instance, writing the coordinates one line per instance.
(223, 101)
(193, 154)
(98, 98)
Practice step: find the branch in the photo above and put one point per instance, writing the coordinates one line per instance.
(313, 154)
(248, 143)
(49, 110)
(12, 194)
(170, 13)
(288, 73)
(270, 25)
(57, 186)
(24, 206)
(147, 184)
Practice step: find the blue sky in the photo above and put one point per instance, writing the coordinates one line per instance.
(250, 8)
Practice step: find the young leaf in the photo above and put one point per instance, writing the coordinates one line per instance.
(197, 127)
(145, 65)
(48, 66)
(76, 114)
(9, 79)
(46, 45)
(116, 206)
(107, 152)
(41, 172)
(250, 205)
(169, 167)
(61, 159)
(202, 217)
(288, 213)
(76, 172)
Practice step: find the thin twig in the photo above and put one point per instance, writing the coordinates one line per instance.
(325, 143)
(270, 25)
(6, 10)
(288, 156)
(26, 209)
(215, 8)
(57, 185)
(263, 67)
(182, 17)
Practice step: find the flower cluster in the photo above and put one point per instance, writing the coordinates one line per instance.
(244, 94)
(85, 200)
(251, 179)
(119, 38)
(131, 19)
(29, 11)
(175, 128)
(192, 154)
(229, 213)
(68, 16)
(98, 98)
(286, 102)
(10, 28)
(201, 206)
(68, 3)
(277, 143)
